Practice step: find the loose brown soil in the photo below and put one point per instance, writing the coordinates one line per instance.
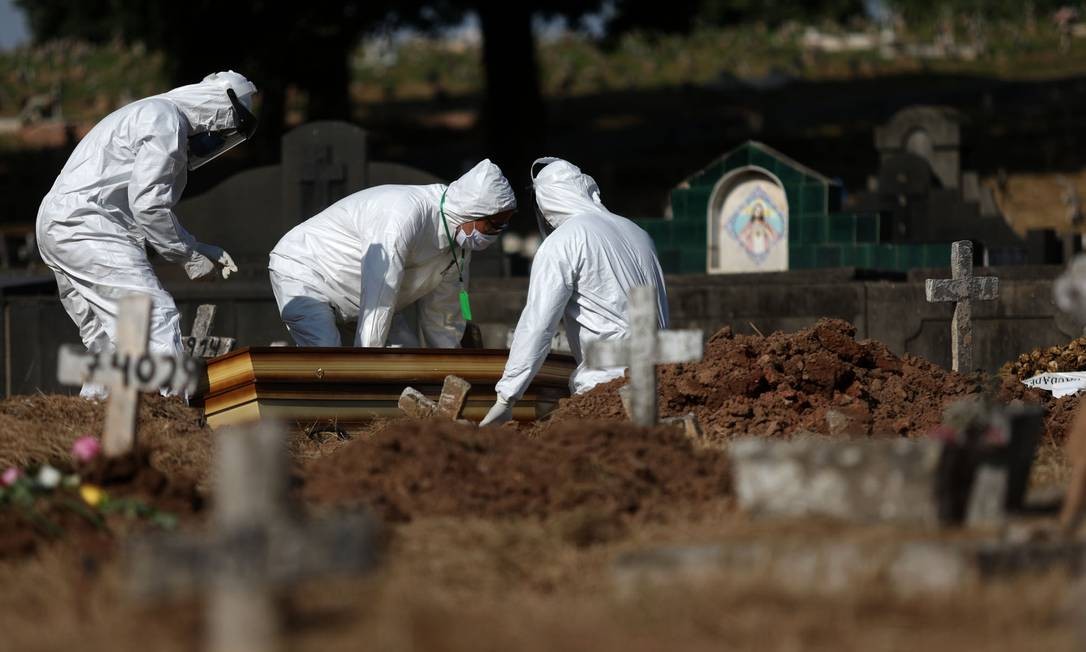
(504, 538)
(436, 468)
(817, 380)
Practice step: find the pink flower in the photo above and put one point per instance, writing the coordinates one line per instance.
(86, 448)
(9, 476)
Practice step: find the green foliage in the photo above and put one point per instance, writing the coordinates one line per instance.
(39, 505)
(91, 79)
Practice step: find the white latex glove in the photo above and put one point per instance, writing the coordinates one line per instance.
(219, 256)
(501, 412)
(199, 267)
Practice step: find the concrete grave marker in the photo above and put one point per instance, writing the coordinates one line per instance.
(906, 566)
(254, 548)
(974, 471)
(855, 480)
(962, 289)
(127, 371)
(202, 344)
(642, 351)
(454, 394)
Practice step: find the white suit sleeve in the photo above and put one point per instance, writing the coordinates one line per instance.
(440, 319)
(383, 265)
(549, 290)
(158, 178)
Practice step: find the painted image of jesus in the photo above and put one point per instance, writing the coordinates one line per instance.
(757, 235)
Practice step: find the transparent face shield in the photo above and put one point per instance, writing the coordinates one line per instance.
(210, 145)
(545, 228)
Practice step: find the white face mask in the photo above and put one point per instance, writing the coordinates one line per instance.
(475, 241)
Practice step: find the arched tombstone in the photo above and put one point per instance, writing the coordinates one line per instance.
(919, 142)
(748, 223)
(932, 133)
(323, 162)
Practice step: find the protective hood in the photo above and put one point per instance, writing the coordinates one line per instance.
(562, 191)
(482, 191)
(207, 106)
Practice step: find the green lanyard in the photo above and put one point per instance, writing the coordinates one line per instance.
(465, 304)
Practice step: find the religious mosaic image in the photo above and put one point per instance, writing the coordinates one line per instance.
(757, 225)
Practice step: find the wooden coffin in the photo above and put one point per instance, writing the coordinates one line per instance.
(353, 385)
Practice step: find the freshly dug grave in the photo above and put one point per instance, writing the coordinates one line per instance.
(816, 380)
(410, 469)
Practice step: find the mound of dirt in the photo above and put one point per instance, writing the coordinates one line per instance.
(817, 380)
(169, 472)
(1070, 357)
(411, 469)
(40, 429)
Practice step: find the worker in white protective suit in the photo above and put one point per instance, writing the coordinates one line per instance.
(395, 257)
(589, 261)
(116, 195)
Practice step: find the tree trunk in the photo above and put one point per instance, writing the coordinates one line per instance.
(327, 78)
(513, 113)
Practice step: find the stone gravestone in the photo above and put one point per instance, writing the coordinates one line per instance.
(962, 289)
(858, 480)
(930, 133)
(328, 160)
(322, 162)
(923, 194)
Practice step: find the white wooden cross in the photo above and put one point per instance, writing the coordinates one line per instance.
(962, 289)
(201, 344)
(127, 371)
(254, 548)
(642, 350)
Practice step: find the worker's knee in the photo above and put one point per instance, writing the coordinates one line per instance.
(310, 321)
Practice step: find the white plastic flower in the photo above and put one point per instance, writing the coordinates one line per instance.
(48, 477)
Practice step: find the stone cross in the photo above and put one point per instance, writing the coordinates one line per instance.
(126, 371)
(642, 350)
(201, 344)
(454, 393)
(962, 289)
(254, 547)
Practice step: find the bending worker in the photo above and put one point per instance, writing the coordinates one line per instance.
(396, 257)
(584, 271)
(116, 194)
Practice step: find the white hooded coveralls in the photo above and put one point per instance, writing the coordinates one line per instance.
(115, 194)
(583, 271)
(382, 256)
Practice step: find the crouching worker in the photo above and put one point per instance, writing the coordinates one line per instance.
(589, 261)
(395, 257)
(116, 195)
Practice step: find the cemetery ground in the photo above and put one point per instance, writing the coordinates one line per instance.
(510, 537)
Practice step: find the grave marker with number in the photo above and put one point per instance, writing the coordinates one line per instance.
(127, 371)
(201, 344)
